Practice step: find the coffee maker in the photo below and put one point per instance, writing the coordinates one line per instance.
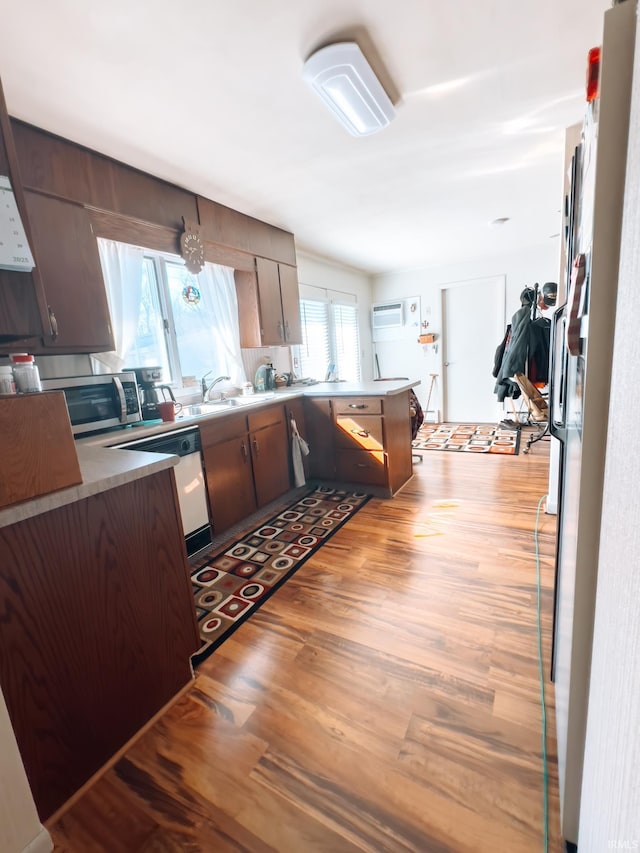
(151, 391)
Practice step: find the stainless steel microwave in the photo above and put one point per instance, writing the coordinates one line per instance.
(98, 402)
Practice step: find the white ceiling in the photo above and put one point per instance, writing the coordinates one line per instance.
(209, 95)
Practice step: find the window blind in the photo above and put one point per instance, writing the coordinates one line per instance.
(315, 351)
(346, 341)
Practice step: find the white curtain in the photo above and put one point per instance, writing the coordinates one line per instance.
(122, 271)
(219, 282)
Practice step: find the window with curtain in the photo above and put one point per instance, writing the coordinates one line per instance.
(329, 336)
(186, 324)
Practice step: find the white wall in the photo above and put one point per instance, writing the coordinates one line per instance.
(319, 272)
(524, 268)
(20, 827)
(610, 804)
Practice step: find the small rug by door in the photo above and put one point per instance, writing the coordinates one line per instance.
(468, 438)
(239, 577)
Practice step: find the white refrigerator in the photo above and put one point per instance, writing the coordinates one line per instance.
(580, 383)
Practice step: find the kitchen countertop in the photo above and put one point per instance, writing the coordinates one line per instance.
(104, 467)
(373, 388)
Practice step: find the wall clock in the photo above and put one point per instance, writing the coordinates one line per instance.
(192, 247)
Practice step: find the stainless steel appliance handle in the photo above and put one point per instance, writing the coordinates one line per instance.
(122, 417)
(556, 427)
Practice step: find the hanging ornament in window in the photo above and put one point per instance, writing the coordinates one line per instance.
(191, 294)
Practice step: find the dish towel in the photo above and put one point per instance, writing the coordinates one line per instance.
(299, 448)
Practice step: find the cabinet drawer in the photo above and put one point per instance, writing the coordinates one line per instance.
(265, 417)
(361, 466)
(221, 428)
(359, 432)
(364, 405)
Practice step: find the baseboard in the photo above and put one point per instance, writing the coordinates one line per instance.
(42, 843)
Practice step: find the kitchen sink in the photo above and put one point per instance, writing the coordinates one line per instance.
(226, 403)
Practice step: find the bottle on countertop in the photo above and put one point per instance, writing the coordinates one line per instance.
(7, 384)
(25, 373)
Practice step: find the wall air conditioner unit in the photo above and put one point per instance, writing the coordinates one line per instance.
(387, 315)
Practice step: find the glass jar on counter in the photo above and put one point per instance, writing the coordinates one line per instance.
(7, 385)
(25, 373)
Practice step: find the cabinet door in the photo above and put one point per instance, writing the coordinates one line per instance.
(114, 645)
(270, 454)
(271, 323)
(290, 295)
(229, 482)
(19, 308)
(295, 409)
(68, 265)
(320, 437)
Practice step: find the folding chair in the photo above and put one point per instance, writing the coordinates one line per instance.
(537, 408)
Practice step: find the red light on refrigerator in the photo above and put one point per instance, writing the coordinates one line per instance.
(593, 74)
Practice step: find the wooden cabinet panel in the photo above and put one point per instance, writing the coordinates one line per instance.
(21, 298)
(218, 429)
(97, 629)
(229, 481)
(270, 455)
(56, 166)
(397, 420)
(268, 305)
(60, 167)
(228, 227)
(68, 265)
(19, 311)
(271, 321)
(245, 470)
(359, 466)
(320, 437)
(361, 405)
(373, 437)
(359, 432)
(290, 297)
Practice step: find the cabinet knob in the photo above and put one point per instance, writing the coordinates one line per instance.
(287, 334)
(245, 452)
(361, 432)
(358, 406)
(53, 322)
(280, 332)
(256, 447)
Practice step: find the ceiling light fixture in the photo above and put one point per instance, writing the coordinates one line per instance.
(341, 76)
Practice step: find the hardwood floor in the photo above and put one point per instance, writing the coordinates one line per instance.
(386, 698)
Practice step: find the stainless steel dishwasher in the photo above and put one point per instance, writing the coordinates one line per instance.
(192, 492)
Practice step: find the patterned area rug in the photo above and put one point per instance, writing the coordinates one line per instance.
(233, 582)
(468, 438)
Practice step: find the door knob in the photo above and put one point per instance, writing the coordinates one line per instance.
(446, 364)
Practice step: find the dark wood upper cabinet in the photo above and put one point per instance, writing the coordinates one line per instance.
(62, 305)
(68, 264)
(20, 299)
(268, 305)
(290, 298)
(59, 167)
(229, 227)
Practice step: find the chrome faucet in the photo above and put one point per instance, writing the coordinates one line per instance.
(206, 388)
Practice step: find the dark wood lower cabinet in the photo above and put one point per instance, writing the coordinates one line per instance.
(270, 456)
(246, 459)
(320, 437)
(229, 481)
(96, 628)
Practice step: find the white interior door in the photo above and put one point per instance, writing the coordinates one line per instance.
(473, 326)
